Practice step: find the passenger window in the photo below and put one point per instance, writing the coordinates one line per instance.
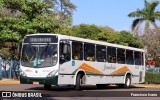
(137, 56)
(129, 57)
(111, 54)
(101, 53)
(89, 52)
(77, 50)
(121, 56)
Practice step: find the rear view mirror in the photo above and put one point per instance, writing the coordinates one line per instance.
(65, 48)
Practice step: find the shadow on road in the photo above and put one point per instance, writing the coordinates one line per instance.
(87, 91)
(84, 88)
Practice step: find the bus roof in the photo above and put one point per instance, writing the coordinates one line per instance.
(60, 36)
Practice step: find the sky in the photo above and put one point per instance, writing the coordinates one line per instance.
(112, 13)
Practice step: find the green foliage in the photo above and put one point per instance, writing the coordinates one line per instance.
(86, 31)
(152, 78)
(106, 34)
(147, 14)
(8, 29)
(32, 8)
(22, 17)
(126, 38)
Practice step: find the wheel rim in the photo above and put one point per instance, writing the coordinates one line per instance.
(128, 82)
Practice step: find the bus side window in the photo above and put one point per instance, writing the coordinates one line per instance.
(77, 50)
(129, 57)
(101, 53)
(138, 59)
(121, 56)
(65, 52)
(89, 52)
(111, 54)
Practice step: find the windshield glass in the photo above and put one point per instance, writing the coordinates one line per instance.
(39, 55)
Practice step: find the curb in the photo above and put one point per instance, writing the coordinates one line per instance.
(146, 85)
(9, 81)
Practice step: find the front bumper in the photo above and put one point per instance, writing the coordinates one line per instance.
(45, 80)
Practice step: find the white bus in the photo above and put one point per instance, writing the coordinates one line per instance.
(54, 59)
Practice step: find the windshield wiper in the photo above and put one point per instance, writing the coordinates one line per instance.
(44, 50)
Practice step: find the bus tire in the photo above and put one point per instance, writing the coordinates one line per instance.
(47, 86)
(127, 81)
(79, 81)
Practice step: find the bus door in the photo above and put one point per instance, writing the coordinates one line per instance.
(65, 56)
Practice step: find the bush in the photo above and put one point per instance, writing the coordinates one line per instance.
(152, 78)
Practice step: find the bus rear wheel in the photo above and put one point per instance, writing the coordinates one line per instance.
(127, 82)
(47, 86)
(79, 81)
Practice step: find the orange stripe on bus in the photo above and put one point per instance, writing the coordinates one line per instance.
(89, 68)
(121, 70)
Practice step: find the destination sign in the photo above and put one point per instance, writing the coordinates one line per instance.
(41, 39)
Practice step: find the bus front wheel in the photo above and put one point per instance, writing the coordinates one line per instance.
(47, 86)
(79, 81)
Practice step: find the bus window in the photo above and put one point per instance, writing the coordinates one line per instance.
(101, 53)
(89, 52)
(77, 50)
(129, 57)
(65, 54)
(137, 56)
(111, 54)
(121, 53)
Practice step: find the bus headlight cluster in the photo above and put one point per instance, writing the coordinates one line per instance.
(52, 73)
(22, 73)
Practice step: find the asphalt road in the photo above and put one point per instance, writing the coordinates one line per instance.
(87, 92)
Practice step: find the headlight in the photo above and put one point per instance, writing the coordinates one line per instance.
(22, 73)
(52, 73)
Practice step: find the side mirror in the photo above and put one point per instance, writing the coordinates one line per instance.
(65, 48)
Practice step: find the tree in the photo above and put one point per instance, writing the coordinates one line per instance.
(149, 38)
(86, 31)
(64, 10)
(106, 34)
(105, 31)
(23, 17)
(124, 38)
(147, 15)
(153, 46)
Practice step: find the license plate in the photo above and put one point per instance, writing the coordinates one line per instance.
(35, 82)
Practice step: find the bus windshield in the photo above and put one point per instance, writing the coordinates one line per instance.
(39, 55)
